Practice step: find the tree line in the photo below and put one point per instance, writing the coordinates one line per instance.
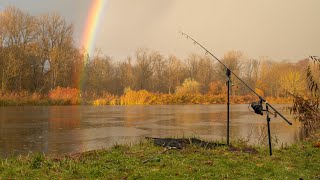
(38, 54)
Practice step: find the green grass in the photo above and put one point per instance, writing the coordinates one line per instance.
(146, 161)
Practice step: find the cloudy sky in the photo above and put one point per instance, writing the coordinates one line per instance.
(286, 29)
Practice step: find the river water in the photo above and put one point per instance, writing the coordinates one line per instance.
(70, 129)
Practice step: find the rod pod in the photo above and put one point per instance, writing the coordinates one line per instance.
(260, 97)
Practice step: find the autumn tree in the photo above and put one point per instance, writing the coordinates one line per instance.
(56, 42)
(268, 80)
(172, 73)
(37, 54)
(231, 59)
(17, 34)
(201, 69)
(292, 81)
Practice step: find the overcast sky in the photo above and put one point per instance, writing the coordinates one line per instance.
(279, 29)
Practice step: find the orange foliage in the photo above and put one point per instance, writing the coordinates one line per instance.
(259, 91)
(20, 98)
(216, 88)
(71, 96)
(65, 95)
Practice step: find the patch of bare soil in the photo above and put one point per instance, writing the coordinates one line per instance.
(180, 143)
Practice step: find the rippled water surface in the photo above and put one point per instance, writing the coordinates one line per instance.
(69, 129)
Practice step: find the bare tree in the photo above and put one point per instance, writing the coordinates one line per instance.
(231, 59)
(158, 80)
(125, 74)
(206, 72)
(250, 74)
(192, 65)
(100, 74)
(173, 73)
(55, 38)
(145, 66)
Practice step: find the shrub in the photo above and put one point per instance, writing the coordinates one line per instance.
(216, 88)
(107, 99)
(136, 97)
(19, 98)
(307, 111)
(67, 95)
(189, 86)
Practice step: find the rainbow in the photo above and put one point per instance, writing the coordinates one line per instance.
(91, 26)
(94, 15)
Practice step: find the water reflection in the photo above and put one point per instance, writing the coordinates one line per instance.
(64, 129)
(68, 129)
(23, 129)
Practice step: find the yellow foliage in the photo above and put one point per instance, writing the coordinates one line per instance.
(143, 97)
(107, 99)
(280, 100)
(136, 97)
(189, 86)
(100, 102)
(259, 91)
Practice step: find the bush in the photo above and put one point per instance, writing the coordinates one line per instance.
(19, 98)
(307, 111)
(189, 86)
(67, 95)
(107, 99)
(136, 98)
(217, 87)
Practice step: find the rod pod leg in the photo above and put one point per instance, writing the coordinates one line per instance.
(228, 106)
(269, 134)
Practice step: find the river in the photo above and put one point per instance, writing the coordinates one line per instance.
(71, 129)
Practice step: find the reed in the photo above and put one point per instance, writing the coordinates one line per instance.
(73, 96)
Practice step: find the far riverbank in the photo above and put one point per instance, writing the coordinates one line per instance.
(69, 96)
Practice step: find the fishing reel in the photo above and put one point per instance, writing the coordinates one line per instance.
(258, 108)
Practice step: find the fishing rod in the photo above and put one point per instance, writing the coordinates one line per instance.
(315, 58)
(208, 52)
(257, 106)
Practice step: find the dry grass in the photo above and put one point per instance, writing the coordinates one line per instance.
(72, 96)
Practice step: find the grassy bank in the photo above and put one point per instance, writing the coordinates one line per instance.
(70, 96)
(147, 161)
